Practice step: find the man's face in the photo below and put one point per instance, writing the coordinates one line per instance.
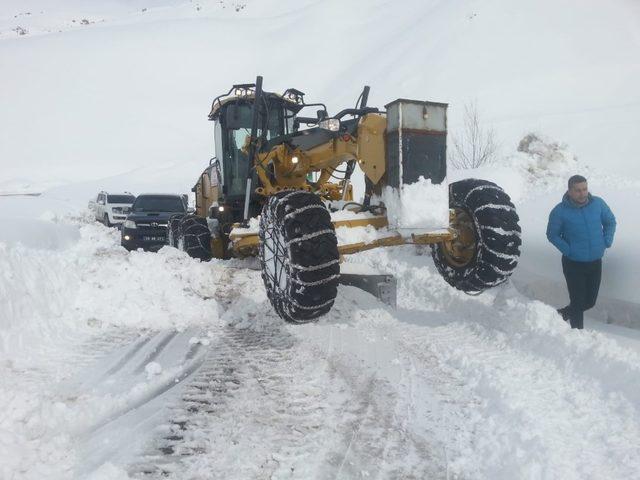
(579, 193)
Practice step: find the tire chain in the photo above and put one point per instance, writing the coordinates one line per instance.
(498, 237)
(300, 226)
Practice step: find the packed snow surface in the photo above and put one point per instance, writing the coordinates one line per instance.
(118, 365)
(121, 364)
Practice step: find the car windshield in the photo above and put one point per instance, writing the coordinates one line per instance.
(121, 199)
(159, 203)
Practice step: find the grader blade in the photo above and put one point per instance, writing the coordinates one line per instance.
(381, 286)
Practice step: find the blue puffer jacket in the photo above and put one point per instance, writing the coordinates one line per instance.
(581, 232)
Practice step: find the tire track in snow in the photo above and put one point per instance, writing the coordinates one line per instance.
(246, 396)
(286, 409)
(401, 401)
(243, 397)
(533, 418)
(155, 351)
(135, 348)
(552, 402)
(377, 440)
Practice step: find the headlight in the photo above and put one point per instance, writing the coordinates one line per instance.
(331, 124)
(129, 224)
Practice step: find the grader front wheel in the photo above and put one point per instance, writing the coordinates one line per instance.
(299, 256)
(486, 248)
(461, 250)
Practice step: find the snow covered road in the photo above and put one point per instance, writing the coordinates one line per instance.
(119, 365)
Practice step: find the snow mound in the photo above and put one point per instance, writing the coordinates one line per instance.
(92, 284)
(41, 234)
(545, 159)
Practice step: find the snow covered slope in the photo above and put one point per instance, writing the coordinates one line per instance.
(88, 101)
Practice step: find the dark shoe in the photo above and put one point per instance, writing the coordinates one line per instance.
(564, 313)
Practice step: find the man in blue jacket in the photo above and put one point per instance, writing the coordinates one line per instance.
(581, 227)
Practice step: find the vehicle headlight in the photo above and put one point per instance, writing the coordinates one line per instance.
(130, 224)
(331, 124)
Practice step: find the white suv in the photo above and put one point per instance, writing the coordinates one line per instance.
(112, 208)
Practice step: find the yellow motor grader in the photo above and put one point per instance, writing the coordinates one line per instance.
(280, 188)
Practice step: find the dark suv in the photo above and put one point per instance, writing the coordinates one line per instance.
(146, 225)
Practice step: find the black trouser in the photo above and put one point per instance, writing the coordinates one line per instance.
(583, 283)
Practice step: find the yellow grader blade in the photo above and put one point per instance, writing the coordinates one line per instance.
(245, 242)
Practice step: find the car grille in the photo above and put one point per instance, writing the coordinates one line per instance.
(154, 225)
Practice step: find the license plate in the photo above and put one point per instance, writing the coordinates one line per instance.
(153, 239)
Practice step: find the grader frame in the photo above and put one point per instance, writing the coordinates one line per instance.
(269, 192)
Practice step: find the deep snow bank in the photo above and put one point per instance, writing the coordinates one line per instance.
(62, 296)
(96, 283)
(536, 180)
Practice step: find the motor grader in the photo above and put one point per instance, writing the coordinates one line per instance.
(280, 188)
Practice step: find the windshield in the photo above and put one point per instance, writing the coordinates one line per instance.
(121, 199)
(158, 204)
(236, 162)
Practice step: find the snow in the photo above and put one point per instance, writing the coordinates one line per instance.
(573, 84)
(536, 182)
(495, 386)
(118, 365)
(420, 206)
(368, 234)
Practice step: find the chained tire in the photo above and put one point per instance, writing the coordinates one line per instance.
(488, 247)
(173, 229)
(193, 236)
(299, 256)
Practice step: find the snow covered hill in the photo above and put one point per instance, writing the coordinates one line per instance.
(117, 365)
(132, 88)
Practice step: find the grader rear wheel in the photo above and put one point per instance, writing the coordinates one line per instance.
(299, 256)
(173, 229)
(193, 236)
(486, 248)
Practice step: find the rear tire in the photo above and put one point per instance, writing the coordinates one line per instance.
(193, 236)
(299, 256)
(173, 229)
(497, 237)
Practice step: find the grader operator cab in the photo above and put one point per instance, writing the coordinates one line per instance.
(284, 193)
